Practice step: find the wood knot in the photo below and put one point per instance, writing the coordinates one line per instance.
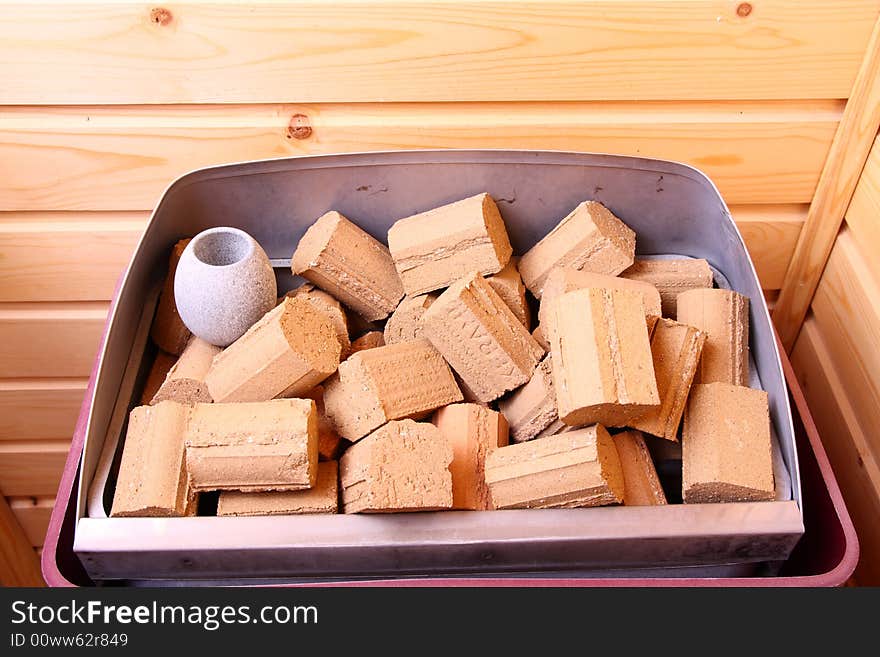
(299, 127)
(743, 9)
(161, 16)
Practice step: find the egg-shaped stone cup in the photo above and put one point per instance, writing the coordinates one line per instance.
(224, 283)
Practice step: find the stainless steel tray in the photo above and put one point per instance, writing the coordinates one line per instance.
(672, 207)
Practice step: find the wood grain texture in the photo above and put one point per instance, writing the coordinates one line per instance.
(104, 158)
(849, 150)
(32, 467)
(42, 259)
(50, 339)
(39, 408)
(846, 443)
(846, 308)
(770, 233)
(19, 565)
(456, 50)
(863, 215)
(33, 515)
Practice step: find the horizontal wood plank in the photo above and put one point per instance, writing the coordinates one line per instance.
(39, 408)
(32, 467)
(846, 443)
(50, 339)
(100, 158)
(33, 515)
(863, 215)
(846, 308)
(47, 260)
(455, 50)
(770, 233)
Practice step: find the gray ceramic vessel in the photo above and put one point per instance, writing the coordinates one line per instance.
(223, 285)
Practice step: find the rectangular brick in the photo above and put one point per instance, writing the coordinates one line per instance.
(369, 340)
(152, 473)
(329, 306)
(402, 466)
(169, 332)
(433, 249)
(185, 382)
(287, 353)
(565, 279)
(641, 483)
(474, 432)
(531, 409)
(573, 469)
(726, 448)
(601, 357)
(589, 238)
(162, 364)
(321, 498)
(252, 447)
(357, 269)
(405, 323)
(404, 380)
(675, 350)
(481, 338)
(671, 277)
(723, 315)
(509, 286)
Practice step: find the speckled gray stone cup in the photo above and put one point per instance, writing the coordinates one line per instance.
(224, 283)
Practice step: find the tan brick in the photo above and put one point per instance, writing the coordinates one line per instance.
(405, 323)
(602, 366)
(329, 442)
(185, 382)
(671, 277)
(675, 350)
(251, 447)
(354, 267)
(509, 286)
(322, 498)
(565, 279)
(369, 340)
(433, 249)
(473, 431)
(724, 316)
(162, 364)
(481, 338)
(532, 408)
(169, 332)
(333, 309)
(589, 238)
(541, 338)
(405, 380)
(574, 469)
(726, 448)
(287, 353)
(152, 474)
(641, 484)
(402, 466)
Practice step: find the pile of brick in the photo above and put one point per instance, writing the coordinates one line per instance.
(409, 377)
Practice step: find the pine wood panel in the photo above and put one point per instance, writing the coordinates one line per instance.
(19, 565)
(846, 443)
(50, 339)
(46, 260)
(39, 408)
(849, 150)
(770, 233)
(847, 312)
(101, 158)
(32, 467)
(376, 50)
(863, 215)
(33, 515)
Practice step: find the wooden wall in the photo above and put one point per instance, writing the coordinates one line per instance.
(837, 358)
(102, 104)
